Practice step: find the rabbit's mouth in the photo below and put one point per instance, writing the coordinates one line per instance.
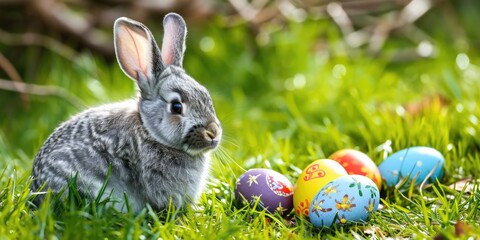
(197, 150)
(202, 139)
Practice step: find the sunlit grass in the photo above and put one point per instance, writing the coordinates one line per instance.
(282, 103)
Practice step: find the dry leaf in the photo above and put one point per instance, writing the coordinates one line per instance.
(469, 185)
(427, 102)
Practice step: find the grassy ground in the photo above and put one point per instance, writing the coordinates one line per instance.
(284, 102)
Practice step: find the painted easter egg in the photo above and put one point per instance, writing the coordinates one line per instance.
(311, 180)
(344, 200)
(359, 163)
(416, 163)
(270, 189)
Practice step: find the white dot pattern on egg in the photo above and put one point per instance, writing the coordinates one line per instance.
(415, 163)
(344, 200)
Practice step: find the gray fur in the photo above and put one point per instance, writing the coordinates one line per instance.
(155, 156)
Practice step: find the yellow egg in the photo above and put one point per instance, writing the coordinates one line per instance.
(311, 180)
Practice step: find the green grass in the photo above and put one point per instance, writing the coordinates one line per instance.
(283, 104)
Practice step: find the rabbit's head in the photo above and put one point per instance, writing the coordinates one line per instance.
(176, 110)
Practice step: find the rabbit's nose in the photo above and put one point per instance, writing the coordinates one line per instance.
(212, 130)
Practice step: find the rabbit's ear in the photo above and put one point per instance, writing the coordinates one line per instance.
(173, 45)
(136, 50)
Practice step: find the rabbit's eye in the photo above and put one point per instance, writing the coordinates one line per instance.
(176, 108)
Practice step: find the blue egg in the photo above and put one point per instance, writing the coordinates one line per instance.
(346, 199)
(415, 163)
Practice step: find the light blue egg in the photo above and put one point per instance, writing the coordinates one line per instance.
(415, 163)
(347, 199)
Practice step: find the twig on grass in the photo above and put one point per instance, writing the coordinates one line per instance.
(10, 70)
(245, 9)
(405, 17)
(34, 89)
(35, 39)
(60, 16)
(340, 17)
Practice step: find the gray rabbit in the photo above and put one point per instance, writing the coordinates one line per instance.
(158, 146)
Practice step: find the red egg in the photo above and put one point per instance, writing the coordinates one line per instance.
(356, 162)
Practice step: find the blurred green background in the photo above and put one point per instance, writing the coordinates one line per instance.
(291, 80)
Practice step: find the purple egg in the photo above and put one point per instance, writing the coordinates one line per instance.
(272, 190)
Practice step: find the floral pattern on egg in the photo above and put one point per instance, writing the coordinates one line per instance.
(346, 199)
(316, 175)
